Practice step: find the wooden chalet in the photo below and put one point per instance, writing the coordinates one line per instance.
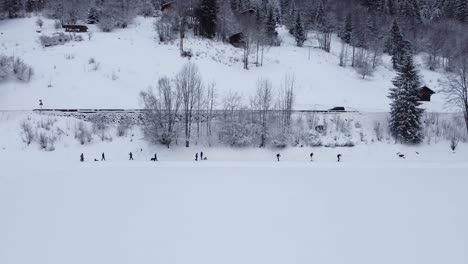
(75, 28)
(425, 94)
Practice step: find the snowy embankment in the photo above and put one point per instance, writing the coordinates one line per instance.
(56, 211)
(110, 69)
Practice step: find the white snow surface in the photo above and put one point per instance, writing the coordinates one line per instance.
(132, 60)
(239, 206)
(56, 210)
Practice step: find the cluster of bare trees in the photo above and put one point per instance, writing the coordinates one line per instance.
(184, 108)
(179, 105)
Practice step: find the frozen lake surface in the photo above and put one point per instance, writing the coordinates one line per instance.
(233, 212)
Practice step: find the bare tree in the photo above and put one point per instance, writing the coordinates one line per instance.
(286, 101)
(262, 105)
(162, 112)
(455, 88)
(188, 82)
(210, 104)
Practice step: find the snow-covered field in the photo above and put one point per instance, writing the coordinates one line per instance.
(239, 206)
(55, 211)
(131, 60)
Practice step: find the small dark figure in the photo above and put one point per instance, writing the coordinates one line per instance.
(82, 157)
(103, 157)
(155, 157)
(196, 156)
(312, 156)
(206, 158)
(339, 157)
(401, 155)
(131, 155)
(201, 155)
(41, 104)
(96, 160)
(278, 156)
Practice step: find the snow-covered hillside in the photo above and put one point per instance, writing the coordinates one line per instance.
(131, 60)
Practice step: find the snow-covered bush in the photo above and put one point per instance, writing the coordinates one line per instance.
(454, 142)
(82, 133)
(78, 38)
(54, 40)
(100, 128)
(236, 134)
(57, 24)
(5, 66)
(47, 124)
(379, 131)
(14, 66)
(27, 132)
(69, 56)
(94, 65)
(21, 70)
(39, 22)
(123, 127)
(46, 141)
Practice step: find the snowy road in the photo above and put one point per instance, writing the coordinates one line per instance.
(184, 212)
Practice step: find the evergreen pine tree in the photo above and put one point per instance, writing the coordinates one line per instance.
(405, 111)
(207, 13)
(13, 8)
(409, 10)
(391, 7)
(461, 11)
(270, 28)
(319, 17)
(299, 33)
(30, 6)
(347, 33)
(93, 15)
(397, 46)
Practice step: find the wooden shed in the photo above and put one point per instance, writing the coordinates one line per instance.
(237, 40)
(75, 28)
(168, 7)
(425, 94)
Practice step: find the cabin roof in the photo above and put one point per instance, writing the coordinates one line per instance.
(427, 89)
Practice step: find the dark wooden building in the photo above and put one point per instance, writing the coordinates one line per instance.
(75, 28)
(237, 40)
(168, 7)
(425, 94)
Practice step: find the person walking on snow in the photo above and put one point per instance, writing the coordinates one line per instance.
(82, 157)
(196, 156)
(339, 157)
(312, 156)
(278, 156)
(155, 157)
(201, 155)
(131, 155)
(103, 157)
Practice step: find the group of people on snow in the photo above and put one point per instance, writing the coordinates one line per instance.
(155, 158)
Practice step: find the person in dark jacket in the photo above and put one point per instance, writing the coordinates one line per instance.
(339, 157)
(155, 157)
(278, 156)
(196, 156)
(131, 155)
(82, 157)
(312, 156)
(103, 157)
(201, 155)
